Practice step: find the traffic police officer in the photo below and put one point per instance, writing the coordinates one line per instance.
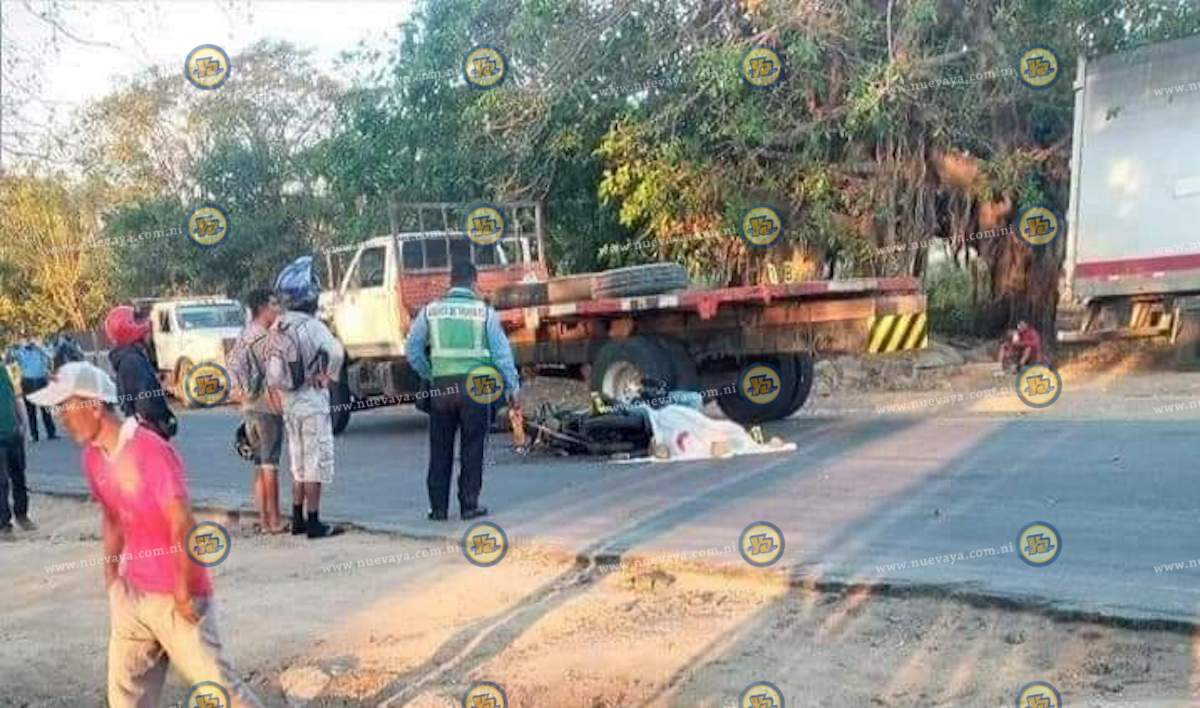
(467, 347)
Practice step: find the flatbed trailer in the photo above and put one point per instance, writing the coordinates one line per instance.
(750, 348)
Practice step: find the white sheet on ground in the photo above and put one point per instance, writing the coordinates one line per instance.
(688, 434)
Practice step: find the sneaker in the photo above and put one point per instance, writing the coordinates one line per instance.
(299, 529)
(437, 516)
(320, 530)
(6, 533)
(26, 523)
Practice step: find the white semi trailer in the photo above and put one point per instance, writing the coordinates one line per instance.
(1133, 237)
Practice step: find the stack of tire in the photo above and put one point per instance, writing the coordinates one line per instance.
(648, 279)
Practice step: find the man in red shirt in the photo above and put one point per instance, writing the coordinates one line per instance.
(1024, 347)
(159, 599)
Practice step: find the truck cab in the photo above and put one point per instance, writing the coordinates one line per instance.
(378, 286)
(188, 331)
(389, 279)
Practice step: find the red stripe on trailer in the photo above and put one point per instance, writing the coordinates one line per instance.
(1137, 266)
(707, 302)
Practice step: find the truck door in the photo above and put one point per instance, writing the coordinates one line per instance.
(365, 315)
(165, 337)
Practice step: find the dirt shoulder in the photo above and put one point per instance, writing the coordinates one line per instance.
(370, 619)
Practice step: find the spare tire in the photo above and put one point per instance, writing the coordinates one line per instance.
(647, 279)
(519, 295)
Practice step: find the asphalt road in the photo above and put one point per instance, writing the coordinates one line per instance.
(859, 495)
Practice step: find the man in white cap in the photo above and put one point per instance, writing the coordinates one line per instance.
(160, 601)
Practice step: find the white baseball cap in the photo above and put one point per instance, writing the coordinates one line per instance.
(77, 378)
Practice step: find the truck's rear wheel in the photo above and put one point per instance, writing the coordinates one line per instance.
(339, 403)
(687, 376)
(794, 375)
(804, 382)
(621, 365)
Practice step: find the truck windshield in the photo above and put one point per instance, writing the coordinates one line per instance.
(210, 316)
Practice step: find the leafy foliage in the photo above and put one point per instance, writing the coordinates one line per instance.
(897, 121)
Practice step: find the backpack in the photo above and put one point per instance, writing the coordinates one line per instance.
(290, 363)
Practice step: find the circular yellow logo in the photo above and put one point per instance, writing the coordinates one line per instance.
(760, 384)
(1039, 544)
(1039, 694)
(761, 544)
(484, 67)
(762, 67)
(485, 694)
(206, 384)
(762, 226)
(1038, 225)
(207, 67)
(208, 544)
(207, 225)
(484, 224)
(207, 694)
(762, 694)
(484, 385)
(485, 544)
(1039, 386)
(1038, 67)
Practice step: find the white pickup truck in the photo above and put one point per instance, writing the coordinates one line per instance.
(189, 331)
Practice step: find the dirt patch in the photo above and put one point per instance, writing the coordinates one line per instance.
(369, 619)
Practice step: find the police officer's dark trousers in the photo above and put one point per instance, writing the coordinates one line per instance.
(454, 413)
(12, 467)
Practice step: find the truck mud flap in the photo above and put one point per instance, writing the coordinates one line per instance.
(897, 333)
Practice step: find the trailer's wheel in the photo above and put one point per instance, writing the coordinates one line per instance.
(647, 279)
(741, 410)
(1187, 340)
(804, 382)
(339, 403)
(182, 367)
(621, 365)
(687, 376)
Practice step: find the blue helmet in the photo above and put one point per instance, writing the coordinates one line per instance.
(297, 284)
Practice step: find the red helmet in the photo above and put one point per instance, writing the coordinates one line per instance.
(123, 327)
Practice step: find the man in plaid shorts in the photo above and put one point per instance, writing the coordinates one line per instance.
(304, 361)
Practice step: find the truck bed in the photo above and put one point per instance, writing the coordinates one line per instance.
(853, 315)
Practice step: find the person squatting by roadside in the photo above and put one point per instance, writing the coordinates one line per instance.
(262, 412)
(141, 394)
(1022, 347)
(160, 604)
(34, 362)
(303, 358)
(462, 333)
(12, 463)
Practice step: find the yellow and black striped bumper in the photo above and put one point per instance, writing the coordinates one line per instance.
(897, 333)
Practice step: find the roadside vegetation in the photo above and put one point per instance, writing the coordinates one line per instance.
(897, 122)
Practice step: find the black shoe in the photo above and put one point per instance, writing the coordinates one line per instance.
(26, 523)
(319, 530)
(475, 513)
(299, 528)
(437, 516)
